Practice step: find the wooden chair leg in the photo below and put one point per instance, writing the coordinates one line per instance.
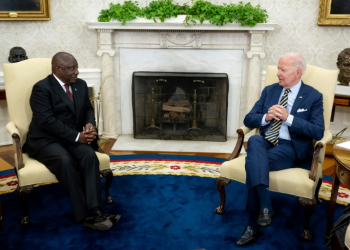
(309, 205)
(319, 184)
(22, 193)
(1, 222)
(221, 183)
(109, 178)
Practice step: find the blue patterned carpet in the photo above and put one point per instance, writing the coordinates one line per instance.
(158, 212)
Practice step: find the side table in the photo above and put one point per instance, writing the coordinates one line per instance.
(342, 174)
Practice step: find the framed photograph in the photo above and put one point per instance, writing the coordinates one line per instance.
(22, 10)
(334, 13)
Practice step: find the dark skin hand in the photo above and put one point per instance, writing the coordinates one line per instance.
(277, 112)
(88, 135)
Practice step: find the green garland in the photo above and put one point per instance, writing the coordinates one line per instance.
(201, 10)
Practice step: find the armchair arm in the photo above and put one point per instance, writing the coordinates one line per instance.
(99, 148)
(241, 132)
(12, 129)
(327, 137)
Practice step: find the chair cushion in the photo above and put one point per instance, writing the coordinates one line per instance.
(35, 172)
(293, 181)
(234, 169)
(104, 160)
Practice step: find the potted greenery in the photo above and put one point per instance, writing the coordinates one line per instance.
(200, 11)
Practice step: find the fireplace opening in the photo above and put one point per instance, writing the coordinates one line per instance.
(180, 106)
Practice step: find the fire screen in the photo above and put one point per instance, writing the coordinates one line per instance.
(180, 106)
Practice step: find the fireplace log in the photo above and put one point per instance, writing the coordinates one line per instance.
(181, 103)
(174, 114)
(182, 116)
(176, 109)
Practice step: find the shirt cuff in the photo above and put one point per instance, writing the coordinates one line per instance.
(289, 120)
(76, 139)
(263, 122)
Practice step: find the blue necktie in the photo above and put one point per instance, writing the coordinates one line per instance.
(273, 134)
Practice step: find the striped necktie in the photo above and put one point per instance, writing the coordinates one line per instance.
(273, 134)
(68, 92)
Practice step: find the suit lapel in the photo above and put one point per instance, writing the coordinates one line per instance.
(77, 98)
(299, 98)
(56, 86)
(276, 95)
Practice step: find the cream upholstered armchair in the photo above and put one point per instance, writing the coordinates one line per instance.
(294, 181)
(19, 80)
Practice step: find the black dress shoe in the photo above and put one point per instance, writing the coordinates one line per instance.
(265, 217)
(101, 221)
(114, 218)
(249, 236)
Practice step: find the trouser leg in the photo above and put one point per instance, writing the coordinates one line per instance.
(77, 175)
(256, 165)
(89, 168)
(263, 157)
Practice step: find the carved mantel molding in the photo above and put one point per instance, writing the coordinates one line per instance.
(174, 34)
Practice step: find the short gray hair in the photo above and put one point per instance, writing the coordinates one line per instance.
(299, 61)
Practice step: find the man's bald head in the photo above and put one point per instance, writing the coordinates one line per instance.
(65, 67)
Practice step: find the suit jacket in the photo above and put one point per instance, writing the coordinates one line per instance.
(55, 117)
(308, 122)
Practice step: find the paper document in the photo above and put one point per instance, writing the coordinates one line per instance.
(344, 144)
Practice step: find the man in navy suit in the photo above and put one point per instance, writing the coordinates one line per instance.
(289, 115)
(62, 136)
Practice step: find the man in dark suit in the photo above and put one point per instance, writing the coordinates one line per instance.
(289, 115)
(57, 138)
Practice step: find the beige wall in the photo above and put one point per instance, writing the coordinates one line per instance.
(66, 31)
(297, 30)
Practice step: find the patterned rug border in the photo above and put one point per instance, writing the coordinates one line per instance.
(167, 157)
(166, 164)
(186, 165)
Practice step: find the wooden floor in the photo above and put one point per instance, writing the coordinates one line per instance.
(6, 153)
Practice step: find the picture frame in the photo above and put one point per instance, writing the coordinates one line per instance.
(334, 13)
(24, 10)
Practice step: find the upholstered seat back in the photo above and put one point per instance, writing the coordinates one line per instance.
(19, 86)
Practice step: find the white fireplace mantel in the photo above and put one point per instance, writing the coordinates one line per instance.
(173, 23)
(173, 34)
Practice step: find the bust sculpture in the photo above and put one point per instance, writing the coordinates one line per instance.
(344, 67)
(17, 54)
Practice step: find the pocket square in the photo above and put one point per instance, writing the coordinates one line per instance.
(301, 110)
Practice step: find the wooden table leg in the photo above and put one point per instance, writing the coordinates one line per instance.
(332, 203)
